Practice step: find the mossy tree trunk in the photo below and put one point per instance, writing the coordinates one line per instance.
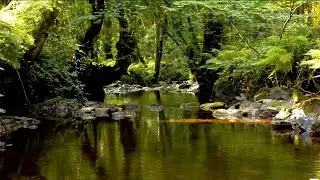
(87, 43)
(160, 41)
(14, 82)
(197, 58)
(41, 35)
(96, 77)
(161, 35)
(126, 46)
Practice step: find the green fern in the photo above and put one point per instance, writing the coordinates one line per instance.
(313, 63)
(279, 60)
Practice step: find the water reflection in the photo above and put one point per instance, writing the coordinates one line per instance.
(148, 148)
(90, 151)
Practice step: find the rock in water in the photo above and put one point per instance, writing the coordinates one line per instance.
(282, 115)
(102, 112)
(118, 116)
(156, 107)
(32, 127)
(303, 124)
(131, 107)
(86, 109)
(300, 122)
(253, 113)
(228, 113)
(130, 114)
(281, 121)
(297, 114)
(247, 105)
(2, 144)
(267, 113)
(212, 106)
(87, 117)
(9, 124)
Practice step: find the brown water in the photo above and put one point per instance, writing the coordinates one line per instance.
(155, 145)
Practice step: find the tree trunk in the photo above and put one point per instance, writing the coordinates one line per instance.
(96, 77)
(211, 40)
(87, 43)
(41, 36)
(92, 77)
(126, 46)
(160, 40)
(14, 81)
(207, 77)
(161, 35)
(108, 39)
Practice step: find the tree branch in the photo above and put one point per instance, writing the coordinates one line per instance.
(23, 88)
(242, 38)
(291, 13)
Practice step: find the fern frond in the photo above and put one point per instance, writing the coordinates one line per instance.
(312, 64)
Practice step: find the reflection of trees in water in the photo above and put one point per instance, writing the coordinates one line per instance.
(161, 113)
(92, 152)
(19, 161)
(165, 138)
(129, 143)
(194, 131)
(187, 114)
(201, 114)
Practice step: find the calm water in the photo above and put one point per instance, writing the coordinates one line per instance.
(151, 148)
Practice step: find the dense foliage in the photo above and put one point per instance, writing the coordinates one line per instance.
(245, 45)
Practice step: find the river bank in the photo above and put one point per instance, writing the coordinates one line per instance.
(281, 108)
(287, 110)
(77, 112)
(173, 142)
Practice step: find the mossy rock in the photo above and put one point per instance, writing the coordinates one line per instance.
(212, 106)
(298, 96)
(277, 93)
(311, 106)
(229, 113)
(276, 104)
(55, 108)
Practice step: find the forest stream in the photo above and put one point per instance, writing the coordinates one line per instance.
(173, 143)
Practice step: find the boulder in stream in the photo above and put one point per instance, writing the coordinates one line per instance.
(276, 93)
(156, 107)
(9, 124)
(282, 115)
(122, 115)
(212, 106)
(311, 107)
(296, 120)
(102, 112)
(61, 109)
(228, 113)
(266, 113)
